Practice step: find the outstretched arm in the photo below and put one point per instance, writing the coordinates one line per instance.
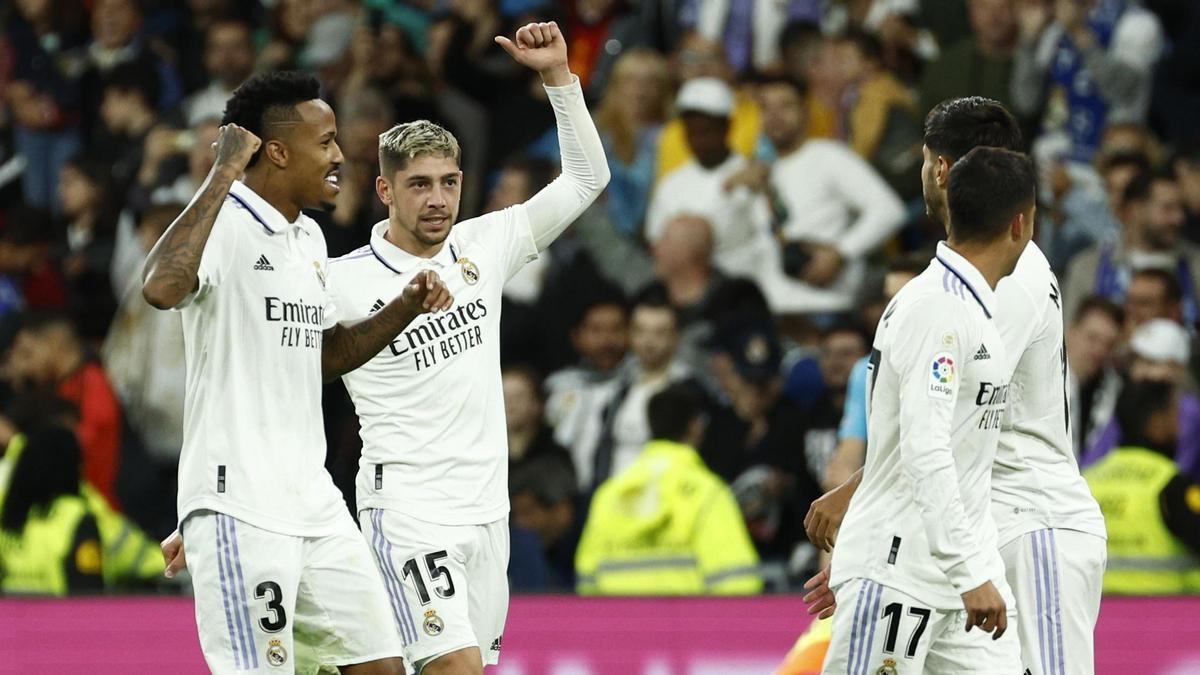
(541, 46)
(348, 346)
(172, 267)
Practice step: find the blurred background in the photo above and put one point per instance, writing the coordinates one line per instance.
(765, 204)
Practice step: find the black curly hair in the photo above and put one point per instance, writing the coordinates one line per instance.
(267, 99)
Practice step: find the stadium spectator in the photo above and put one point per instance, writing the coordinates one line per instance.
(1153, 294)
(1160, 352)
(88, 200)
(127, 115)
(978, 65)
(697, 57)
(1187, 169)
(667, 525)
(576, 396)
(756, 443)
(1085, 65)
(1093, 341)
(842, 345)
(30, 276)
(824, 220)
(47, 355)
(1153, 523)
(737, 215)
(547, 520)
(363, 118)
(43, 91)
(157, 182)
(750, 31)
(228, 61)
(1153, 216)
(600, 30)
(654, 347)
(1078, 215)
(524, 407)
(118, 40)
(810, 57)
(630, 117)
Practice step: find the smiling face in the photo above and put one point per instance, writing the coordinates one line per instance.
(422, 199)
(307, 150)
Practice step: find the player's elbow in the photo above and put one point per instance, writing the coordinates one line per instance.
(157, 296)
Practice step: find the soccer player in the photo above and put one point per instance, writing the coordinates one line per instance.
(916, 556)
(432, 482)
(1051, 531)
(248, 272)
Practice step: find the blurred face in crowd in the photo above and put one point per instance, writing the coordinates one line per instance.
(34, 11)
(423, 198)
(750, 400)
(123, 110)
(699, 56)
(33, 360)
(993, 23)
(854, 65)
(512, 187)
(229, 53)
(115, 23)
(706, 137)
(640, 83)
(783, 116)
(312, 155)
(686, 244)
(1147, 299)
(522, 404)
(1091, 341)
(602, 337)
(76, 191)
(550, 523)
(360, 139)
(1162, 216)
(1147, 370)
(839, 352)
(1116, 179)
(653, 337)
(1189, 182)
(203, 154)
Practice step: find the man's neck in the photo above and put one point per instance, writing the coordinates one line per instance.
(715, 162)
(989, 260)
(688, 287)
(272, 187)
(654, 372)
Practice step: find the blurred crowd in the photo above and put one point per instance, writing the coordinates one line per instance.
(765, 203)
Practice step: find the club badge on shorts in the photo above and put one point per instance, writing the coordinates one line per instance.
(276, 654)
(470, 271)
(433, 624)
(888, 668)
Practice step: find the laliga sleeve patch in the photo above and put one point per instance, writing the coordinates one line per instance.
(942, 374)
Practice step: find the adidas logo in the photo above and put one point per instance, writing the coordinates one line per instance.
(982, 354)
(263, 264)
(497, 643)
(376, 307)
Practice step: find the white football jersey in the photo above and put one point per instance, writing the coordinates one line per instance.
(1036, 482)
(431, 405)
(253, 439)
(921, 521)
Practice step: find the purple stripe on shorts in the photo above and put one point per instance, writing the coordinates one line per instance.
(859, 608)
(412, 626)
(1058, 622)
(1037, 582)
(395, 590)
(866, 659)
(233, 640)
(241, 585)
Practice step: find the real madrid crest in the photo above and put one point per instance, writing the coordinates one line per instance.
(276, 654)
(320, 273)
(470, 271)
(888, 668)
(433, 623)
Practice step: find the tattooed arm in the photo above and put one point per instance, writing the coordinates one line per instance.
(171, 268)
(348, 346)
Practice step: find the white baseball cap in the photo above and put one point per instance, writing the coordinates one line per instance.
(707, 95)
(1161, 340)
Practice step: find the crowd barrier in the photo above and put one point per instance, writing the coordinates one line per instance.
(553, 635)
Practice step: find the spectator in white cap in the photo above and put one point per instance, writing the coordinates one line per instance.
(738, 216)
(1160, 351)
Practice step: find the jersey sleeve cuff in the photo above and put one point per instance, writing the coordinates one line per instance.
(965, 576)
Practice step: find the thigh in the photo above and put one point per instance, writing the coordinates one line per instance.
(245, 582)
(487, 570)
(424, 569)
(879, 630)
(342, 611)
(954, 651)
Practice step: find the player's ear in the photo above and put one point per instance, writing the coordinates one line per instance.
(275, 152)
(942, 173)
(383, 190)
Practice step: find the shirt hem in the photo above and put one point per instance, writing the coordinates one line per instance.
(482, 517)
(263, 521)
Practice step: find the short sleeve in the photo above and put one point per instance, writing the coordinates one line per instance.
(215, 262)
(854, 412)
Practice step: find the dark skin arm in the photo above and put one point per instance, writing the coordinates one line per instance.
(171, 268)
(348, 346)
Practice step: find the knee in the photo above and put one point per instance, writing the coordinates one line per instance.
(461, 662)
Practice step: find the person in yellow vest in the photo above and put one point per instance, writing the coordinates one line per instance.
(667, 525)
(49, 540)
(1152, 510)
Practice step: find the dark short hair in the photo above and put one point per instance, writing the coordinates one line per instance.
(1136, 404)
(549, 478)
(867, 44)
(655, 296)
(1169, 281)
(136, 77)
(1134, 158)
(1142, 185)
(672, 411)
(268, 98)
(530, 374)
(1100, 305)
(847, 323)
(988, 186)
(799, 33)
(957, 125)
(796, 84)
(603, 294)
(42, 321)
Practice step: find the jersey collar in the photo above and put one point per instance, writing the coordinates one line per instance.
(402, 262)
(260, 210)
(971, 277)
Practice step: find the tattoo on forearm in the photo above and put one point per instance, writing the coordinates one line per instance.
(174, 261)
(348, 346)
